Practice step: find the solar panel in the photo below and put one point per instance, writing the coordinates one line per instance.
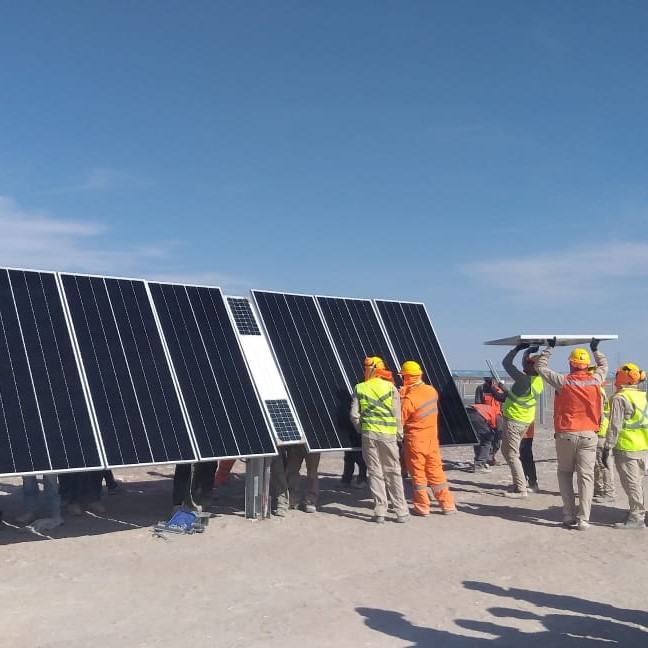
(412, 336)
(308, 363)
(224, 409)
(265, 373)
(135, 400)
(357, 333)
(45, 425)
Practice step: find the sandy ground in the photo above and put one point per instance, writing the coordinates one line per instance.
(500, 571)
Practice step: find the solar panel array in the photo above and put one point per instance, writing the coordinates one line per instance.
(102, 372)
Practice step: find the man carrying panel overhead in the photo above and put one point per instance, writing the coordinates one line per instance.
(628, 434)
(375, 413)
(519, 412)
(577, 418)
(420, 413)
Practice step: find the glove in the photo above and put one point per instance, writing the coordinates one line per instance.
(522, 345)
(594, 344)
(605, 457)
(551, 342)
(534, 349)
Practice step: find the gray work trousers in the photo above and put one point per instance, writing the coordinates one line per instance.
(603, 477)
(296, 455)
(631, 467)
(384, 473)
(513, 433)
(576, 453)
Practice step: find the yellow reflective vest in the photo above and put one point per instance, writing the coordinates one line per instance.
(522, 408)
(376, 405)
(605, 414)
(633, 436)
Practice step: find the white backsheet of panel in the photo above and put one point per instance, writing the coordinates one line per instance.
(561, 340)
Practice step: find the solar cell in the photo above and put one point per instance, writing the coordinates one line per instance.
(136, 403)
(45, 425)
(413, 338)
(308, 363)
(224, 409)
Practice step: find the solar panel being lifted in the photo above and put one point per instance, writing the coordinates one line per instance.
(223, 406)
(412, 336)
(138, 410)
(45, 425)
(309, 365)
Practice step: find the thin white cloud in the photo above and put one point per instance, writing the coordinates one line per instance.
(558, 275)
(100, 179)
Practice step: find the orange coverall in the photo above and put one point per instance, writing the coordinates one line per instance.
(419, 413)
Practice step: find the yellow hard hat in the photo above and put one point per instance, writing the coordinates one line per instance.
(412, 368)
(374, 362)
(579, 358)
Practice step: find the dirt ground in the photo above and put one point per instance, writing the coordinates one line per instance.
(500, 571)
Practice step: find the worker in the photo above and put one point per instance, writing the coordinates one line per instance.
(604, 487)
(577, 418)
(305, 500)
(346, 429)
(528, 461)
(519, 412)
(223, 471)
(483, 418)
(279, 498)
(376, 414)
(627, 434)
(420, 414)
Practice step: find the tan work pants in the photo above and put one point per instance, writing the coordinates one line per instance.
(576, 452)
(631, 467)
(296, 455)
(513, 433)
(384, 474)
(603, 477)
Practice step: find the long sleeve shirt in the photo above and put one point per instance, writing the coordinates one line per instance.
(557, 380)
(521, 381)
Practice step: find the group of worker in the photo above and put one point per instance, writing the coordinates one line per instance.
(588, 426)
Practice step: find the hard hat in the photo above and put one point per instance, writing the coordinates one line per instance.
(412, 368)
(579, 358)
(374, 362)
(629, 374)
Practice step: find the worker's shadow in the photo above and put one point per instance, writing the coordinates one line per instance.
(570, 621)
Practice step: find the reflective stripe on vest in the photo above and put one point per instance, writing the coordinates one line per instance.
(522, 408)
(425, 409)
(633, 436)
(376, 406)
(577, 405)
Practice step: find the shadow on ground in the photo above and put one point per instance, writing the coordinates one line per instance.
(565, 620)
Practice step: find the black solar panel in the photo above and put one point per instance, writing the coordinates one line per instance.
(243, 316)
(356, 332)
(225, 412)
(45, 425)
(283, 421)
(412, 336)
(135, 399)
(308, 364)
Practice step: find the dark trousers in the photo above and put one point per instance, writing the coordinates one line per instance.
(485, 436)
(203, 479)
(110, 479)
(353, 458)
(81, 487)
(528, 463)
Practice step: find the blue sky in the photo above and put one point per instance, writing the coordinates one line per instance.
(487, 158)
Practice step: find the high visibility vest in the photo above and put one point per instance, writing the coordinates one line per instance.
(489, 399)
(577, 406)
(376, 405)
(605, 414)
(423, 413)
(487, 412)
(634, 433)
(522, 408)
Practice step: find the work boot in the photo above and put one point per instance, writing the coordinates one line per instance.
(603, 499)
(516, 494)
(533, 487)
(450, 511)
(280, 512)
(569, 522)
(481, 467)
(309, 508)
(630, 525)
(403, 518)
(583, 525)
(379, 519)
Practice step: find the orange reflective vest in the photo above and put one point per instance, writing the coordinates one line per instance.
(489, 399)
(487, 412)
(577, 406)
(419, 409)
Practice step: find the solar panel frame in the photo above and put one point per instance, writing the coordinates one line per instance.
(413, 338)
(278, 407)
(202, 342)
(54, 417)
(126, 351)
(309, 364)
